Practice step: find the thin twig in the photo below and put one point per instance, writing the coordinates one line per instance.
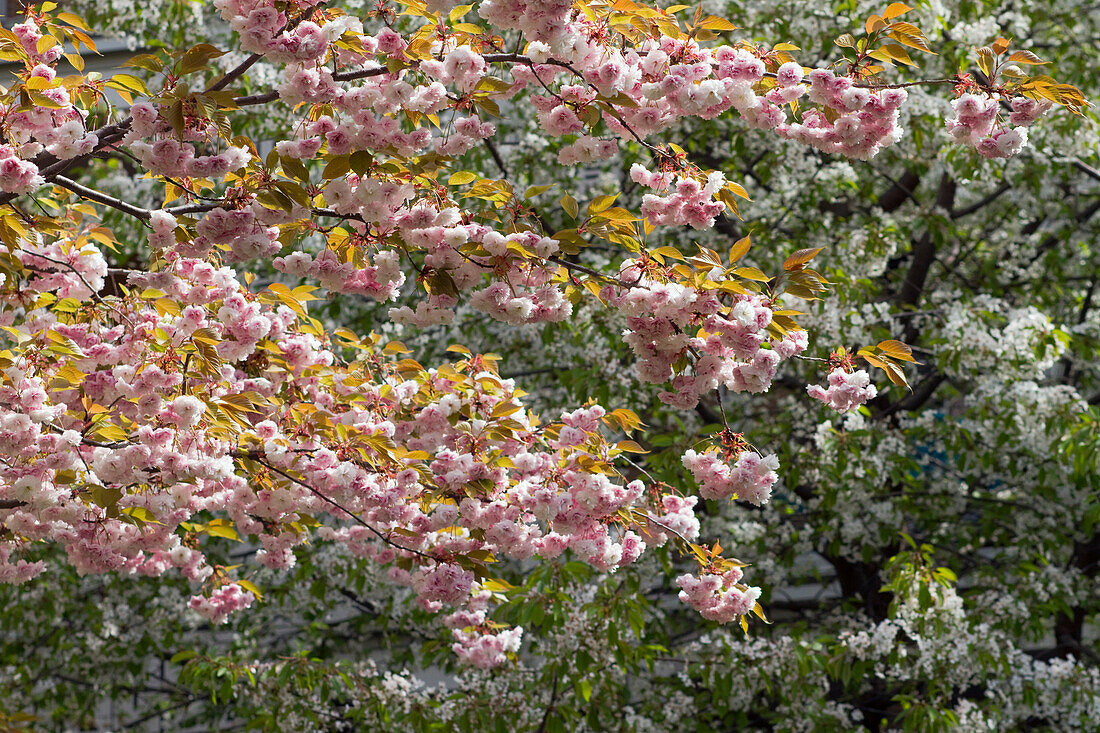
(589, 271)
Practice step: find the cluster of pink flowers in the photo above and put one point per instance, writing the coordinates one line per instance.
(750, 479)
(691, 203)
(1026, 111)
(29, 34)
(380, 278)
(246, 237)
(57, 127)
(462, 68)
(163, 230)
(170, 157)
(375, 200)
(676, 515)
(536, 301)
(153, 141)
(847, 390)
(867, 120)
(17, 571)
(560, 119)
(974, 119)
(468, 131)
(547, 21)
(304, 84)
(587, 149)
(63, 267)
(718, 598)
(261, 28)
(218, 605)
(730, 351)
(17, 175)
(486, 650)
(442, 583)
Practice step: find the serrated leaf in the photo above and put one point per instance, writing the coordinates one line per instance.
(739, 249)
(894, 10)
(197, 57)
(909, 35)
(252, 588)
(141, 514)
(461, 178)
(896, 350)
(41, 100)
(533, 191)
(74, 20)
(896, 52)
(986, 60)
(601, 203)
(797, 259)
(668, 251)
(800, 291)
(338, 167)
(1026, 57)
(220, 530)
(146, 61)
(131, 82)
(714, 23)
(846, 41)
(496, 585)
(183, 656)
(570, 205)
(751, 273)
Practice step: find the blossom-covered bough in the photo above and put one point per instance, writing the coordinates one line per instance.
(158, 401)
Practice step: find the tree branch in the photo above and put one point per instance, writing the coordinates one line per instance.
(102, 198)
(256, 456)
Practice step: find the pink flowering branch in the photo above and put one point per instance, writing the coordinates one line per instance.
(257, 457)
(194, 361)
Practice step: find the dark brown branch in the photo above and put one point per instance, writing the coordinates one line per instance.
(549, 706)
(496, 157)
(233, 75)
(92, 195)
(918, 397)
(982, 203)
(924, 250)
(902, 189)
(1086, 169)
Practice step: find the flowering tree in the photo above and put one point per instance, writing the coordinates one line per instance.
(202, 305)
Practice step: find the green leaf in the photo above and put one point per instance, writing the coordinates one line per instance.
(570, 205)
(197, 57)
(461, 178)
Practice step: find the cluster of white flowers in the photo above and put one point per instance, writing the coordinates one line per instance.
(987, 335)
